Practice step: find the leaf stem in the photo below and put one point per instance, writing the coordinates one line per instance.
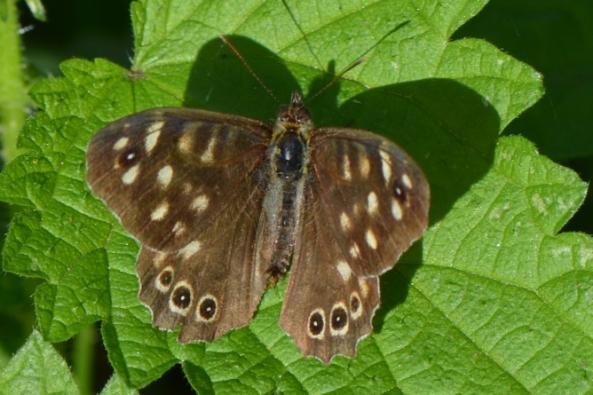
(82, 359)
(13, 95)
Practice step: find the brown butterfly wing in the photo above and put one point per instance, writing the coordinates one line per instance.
(187, 184)
(160, 167)
(222, 280)
(366, 203)
(373, 195)
(316, 288)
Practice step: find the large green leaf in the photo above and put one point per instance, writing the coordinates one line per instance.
(479, 305)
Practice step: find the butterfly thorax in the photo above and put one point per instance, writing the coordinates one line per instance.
(288, 156)
(288, 150)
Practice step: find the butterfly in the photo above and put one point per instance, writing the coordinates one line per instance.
(223, 205)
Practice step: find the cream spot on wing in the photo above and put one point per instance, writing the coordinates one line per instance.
(185, 143)
(355, 251)
(356, 209)
(407, 182)
(372, 203)
(200, 203)
(208, 155)
(121, 143)
(396, 209)
(364, 287)
(159, 258)
(164, 176)
(346, 171)
(190, 249)
(365, 165)
(130, 176)
(344, 270)
(160, 212)
(345, 222)
(179, 228)
(152, 136)
(186, 187)
(371, 239)
(385, 165)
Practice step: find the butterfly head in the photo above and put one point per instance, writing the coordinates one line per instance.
(294, 118)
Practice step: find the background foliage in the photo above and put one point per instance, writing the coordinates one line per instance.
(495, 298)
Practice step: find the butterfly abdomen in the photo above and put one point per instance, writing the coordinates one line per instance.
(286, 226)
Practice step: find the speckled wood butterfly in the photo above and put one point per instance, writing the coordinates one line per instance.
(223, 205)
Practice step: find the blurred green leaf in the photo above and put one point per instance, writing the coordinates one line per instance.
(13, 95)
(37, 9)
(37, 369)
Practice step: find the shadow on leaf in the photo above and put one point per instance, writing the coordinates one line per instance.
(447, 127)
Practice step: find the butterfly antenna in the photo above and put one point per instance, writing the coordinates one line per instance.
(253, 73)
(359, 60)
(305, 38)
(337, 77)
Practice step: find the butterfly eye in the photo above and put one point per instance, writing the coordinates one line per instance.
(180, 298)
(207, 308)
(316, 324)
(339, 320)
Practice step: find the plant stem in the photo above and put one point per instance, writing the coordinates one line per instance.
(82, 359)
(13, 95)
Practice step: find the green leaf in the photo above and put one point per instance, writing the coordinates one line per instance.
(37, 9)
(478, 306)
(501, 284)
(37, 369)
(117, 386)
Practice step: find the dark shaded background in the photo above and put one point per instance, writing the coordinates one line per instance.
(553, 36)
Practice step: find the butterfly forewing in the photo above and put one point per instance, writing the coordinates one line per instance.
(168, 173)
(366, 202)
(189, 185)
(372, 194)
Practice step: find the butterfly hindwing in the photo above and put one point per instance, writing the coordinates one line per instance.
(366, 203)
(188, 184)
(214, 287)
(326, 309)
